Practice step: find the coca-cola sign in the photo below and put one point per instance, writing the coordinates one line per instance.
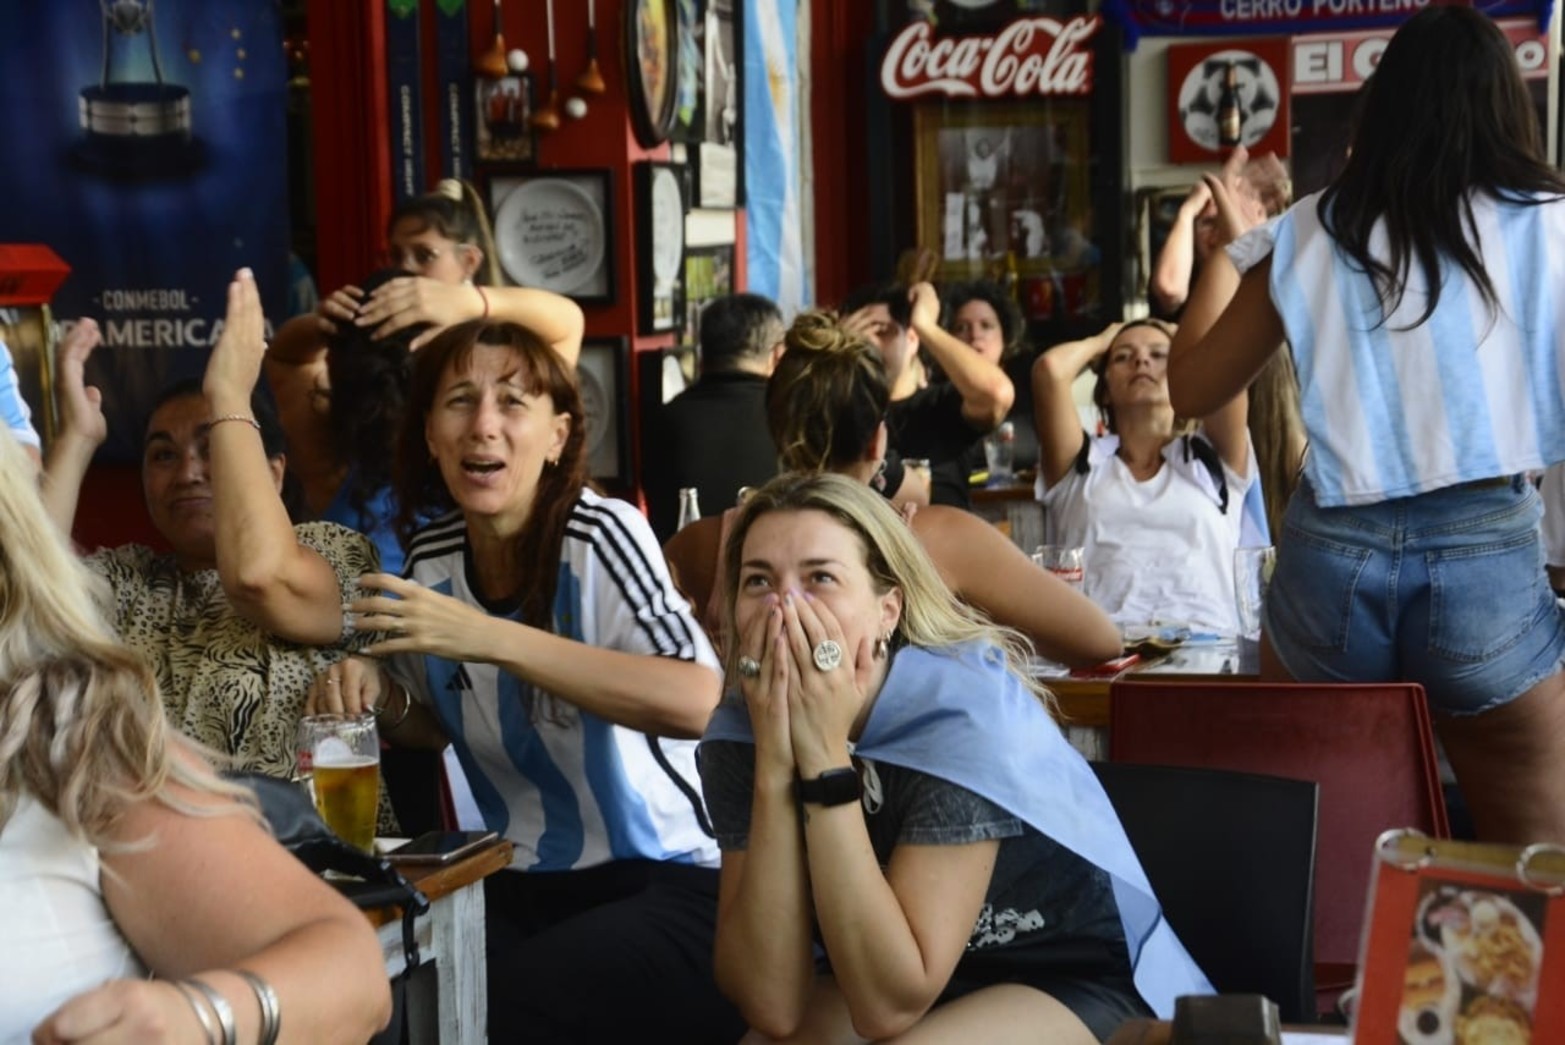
(1030, 56)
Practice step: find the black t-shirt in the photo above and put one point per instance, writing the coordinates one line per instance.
(1045, 905)
(929, 424)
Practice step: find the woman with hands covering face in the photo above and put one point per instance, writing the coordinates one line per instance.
(885, 779)
(539, 632)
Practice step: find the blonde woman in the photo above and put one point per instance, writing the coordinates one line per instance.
(887, 779)
(122, 854)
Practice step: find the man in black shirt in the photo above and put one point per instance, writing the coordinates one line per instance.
(713, 435)
(941, 421)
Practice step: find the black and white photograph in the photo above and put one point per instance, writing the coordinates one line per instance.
(1002, 182)
(723, 100)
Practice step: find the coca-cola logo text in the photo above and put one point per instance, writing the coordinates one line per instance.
(1030, 56)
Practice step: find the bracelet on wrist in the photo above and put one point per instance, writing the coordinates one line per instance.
(220, 1008)
(198, 1006)
(246, 418)
(271, 1009)
(407, 706)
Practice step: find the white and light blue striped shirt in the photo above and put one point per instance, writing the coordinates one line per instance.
(571, 789)
(1468, 394)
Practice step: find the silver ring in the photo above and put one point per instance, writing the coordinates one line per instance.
(749, 668)
(332, 680)
(827, 655)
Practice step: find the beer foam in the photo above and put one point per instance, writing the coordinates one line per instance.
(334, 752)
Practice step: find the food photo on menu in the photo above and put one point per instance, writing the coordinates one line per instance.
(1473, 963)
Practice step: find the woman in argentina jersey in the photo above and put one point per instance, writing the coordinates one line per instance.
(1419, 295)
(538, 631)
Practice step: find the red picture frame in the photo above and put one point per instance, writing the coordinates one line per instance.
(1195, 73)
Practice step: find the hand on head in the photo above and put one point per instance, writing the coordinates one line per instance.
(338, 307)
(925, 312)
(414, 300)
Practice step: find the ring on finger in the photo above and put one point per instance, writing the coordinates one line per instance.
(827, 655)
(749, 668)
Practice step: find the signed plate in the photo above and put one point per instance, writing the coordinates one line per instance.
(550, 234)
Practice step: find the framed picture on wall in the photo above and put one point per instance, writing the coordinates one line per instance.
(652, 67)
(554, 230)
(661, 195)
(601, 373)
(1005, 181)
(503, 108)
(689, 123)
(709, 274)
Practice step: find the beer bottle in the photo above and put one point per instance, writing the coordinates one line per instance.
(1230, 118)
(689, 507)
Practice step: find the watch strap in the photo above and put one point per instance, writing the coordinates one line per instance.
(835, 787)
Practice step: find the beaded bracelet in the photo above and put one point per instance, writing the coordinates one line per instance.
(271, 1010)
(213, 1035)
(246, 418)
(220, 1008)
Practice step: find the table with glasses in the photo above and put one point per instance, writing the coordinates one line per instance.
(451, 936)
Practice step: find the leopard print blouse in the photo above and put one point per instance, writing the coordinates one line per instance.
(224, 681)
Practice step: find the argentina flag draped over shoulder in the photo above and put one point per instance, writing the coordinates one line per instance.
(960, 715)
(775, 257)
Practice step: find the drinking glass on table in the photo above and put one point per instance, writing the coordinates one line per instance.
(1000, 453)
(1066, 562)
(1252, 577)
(341, 753)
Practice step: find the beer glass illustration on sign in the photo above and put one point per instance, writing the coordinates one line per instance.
(343, 753)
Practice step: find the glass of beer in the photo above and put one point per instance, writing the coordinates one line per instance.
(344, 757)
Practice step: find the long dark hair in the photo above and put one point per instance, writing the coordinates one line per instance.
(369, 380)
(1446, 114)
(421, 489)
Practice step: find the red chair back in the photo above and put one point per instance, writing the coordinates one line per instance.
(1369, 747)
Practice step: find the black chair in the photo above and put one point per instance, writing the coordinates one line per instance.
(1231, 857)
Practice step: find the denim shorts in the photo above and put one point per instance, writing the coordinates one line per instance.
(1446, 589)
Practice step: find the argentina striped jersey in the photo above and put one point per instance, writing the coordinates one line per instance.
(1470, 393)
(571, 789)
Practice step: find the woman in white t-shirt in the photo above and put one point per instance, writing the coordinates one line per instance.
(1158, 512)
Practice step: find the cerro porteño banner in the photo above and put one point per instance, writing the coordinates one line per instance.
(147, 144)
(1258, 17)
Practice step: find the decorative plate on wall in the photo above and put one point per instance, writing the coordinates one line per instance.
(652, 59)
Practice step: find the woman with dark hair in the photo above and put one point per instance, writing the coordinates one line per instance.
(356, 345)
(826, 409)
(1419, 297)
(988, 320)
(1157, 507)
(244, 611)
(539, 632)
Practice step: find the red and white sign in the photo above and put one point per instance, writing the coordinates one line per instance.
(1332, 63)
(1028, 58)
(1195, 78)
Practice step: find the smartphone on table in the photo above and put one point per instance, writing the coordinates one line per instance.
(441, 847)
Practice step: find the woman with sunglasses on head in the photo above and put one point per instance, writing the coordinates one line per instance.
(444, 271)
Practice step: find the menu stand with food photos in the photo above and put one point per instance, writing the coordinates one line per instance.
(1465, 944)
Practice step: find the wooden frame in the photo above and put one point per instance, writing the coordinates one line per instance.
(652, 67)
(602, 373)
(1004, 180)
(502, 114)
(560, 236)
(662, 195)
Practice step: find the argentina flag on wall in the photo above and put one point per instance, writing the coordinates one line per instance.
(775, 256)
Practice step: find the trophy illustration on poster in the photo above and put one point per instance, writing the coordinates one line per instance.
(135, 127)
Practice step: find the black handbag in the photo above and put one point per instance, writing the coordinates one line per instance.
(374, 883)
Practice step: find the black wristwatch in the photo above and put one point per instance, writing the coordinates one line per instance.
(835, 787)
